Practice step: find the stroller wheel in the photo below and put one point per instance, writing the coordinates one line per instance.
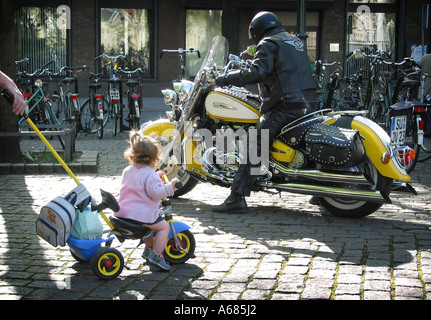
(107, 263)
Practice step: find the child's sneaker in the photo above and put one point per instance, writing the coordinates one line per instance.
(158, 261)
(147, 252)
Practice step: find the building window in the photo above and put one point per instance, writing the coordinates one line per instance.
(201, 27)
(371, 27)
(289, 19)
(126, 32)
(40, 36)
(372, 1)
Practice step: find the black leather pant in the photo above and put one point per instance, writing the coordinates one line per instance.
(274, 120)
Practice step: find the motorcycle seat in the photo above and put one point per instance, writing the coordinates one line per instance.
(130, 229)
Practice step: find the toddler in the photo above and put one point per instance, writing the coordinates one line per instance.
(141, 192)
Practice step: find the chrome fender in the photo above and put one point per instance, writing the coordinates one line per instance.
(377, 143)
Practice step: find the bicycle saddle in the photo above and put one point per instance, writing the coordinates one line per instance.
(95, 85)
(68, 80)
(132, 82)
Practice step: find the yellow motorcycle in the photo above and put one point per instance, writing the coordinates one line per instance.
(342, 158)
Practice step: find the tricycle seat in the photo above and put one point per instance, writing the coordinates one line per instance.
(130, 229)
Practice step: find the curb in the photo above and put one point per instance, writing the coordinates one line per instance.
(87, 163)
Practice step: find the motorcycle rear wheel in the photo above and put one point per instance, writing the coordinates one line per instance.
(355, 209)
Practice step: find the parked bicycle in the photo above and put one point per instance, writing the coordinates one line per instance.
(115, 92)
(133, 97)
(182, 53)
(327, 86)
(407, 115)
(39, 107)
(67, 97)
(94, 110)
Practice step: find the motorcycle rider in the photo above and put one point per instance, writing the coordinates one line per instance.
(282, 71)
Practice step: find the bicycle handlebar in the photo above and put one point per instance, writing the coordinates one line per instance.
(380, 55)
(70, 69)
(7, 95)
(95, 76)
(36, 73)
(110, 57)
(181, 51)
(129, 72)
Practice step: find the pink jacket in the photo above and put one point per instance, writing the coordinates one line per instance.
(140, 194)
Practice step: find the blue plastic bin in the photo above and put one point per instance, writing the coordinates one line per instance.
(84, 249)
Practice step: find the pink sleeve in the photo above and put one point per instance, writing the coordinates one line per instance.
(156, 189)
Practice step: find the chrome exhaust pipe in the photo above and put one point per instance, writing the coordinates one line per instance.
(314, 190)
(317, 175)
(331, 192)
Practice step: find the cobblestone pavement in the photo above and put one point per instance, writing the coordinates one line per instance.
(284, 249)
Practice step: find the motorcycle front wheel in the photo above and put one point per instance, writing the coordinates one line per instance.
(346, 208)
(172, 170)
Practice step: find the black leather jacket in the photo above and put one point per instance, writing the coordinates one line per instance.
(281, 68)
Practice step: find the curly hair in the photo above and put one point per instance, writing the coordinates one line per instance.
(143, 150)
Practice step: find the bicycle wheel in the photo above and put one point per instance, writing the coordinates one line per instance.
(86, 118)
(115, 116)
(132, 119)
(378, 107)
(412, 142)
(57, 105)
(101, 123)
(52, 119)
(74, 110)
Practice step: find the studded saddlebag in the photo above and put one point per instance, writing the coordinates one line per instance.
(334, 146)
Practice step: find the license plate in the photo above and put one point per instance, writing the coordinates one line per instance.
(398, 130)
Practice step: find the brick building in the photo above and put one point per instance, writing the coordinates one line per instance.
(141, 29)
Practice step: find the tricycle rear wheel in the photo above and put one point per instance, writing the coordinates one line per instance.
(107, 263)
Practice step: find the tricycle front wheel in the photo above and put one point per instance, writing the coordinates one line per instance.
(175, 256)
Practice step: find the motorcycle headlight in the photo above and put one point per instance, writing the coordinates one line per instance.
(185, 89)
(170, 96)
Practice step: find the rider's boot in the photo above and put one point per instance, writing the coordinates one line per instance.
(234, 203)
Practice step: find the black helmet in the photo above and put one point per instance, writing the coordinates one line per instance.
(262, 23)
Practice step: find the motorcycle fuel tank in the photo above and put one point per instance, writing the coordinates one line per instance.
(232, 106)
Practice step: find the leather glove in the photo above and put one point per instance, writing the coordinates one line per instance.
(220, 81)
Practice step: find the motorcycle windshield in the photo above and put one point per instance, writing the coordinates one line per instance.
(217, 56)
